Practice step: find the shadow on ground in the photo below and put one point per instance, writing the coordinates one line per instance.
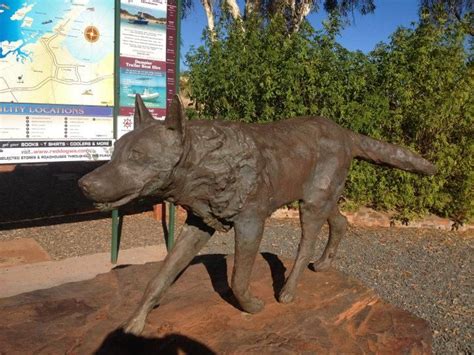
(120, 343)
(216, 266)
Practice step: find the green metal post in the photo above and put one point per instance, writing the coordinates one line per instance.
(116, 219)
(116, 234)
(178, 45)
(171, 223)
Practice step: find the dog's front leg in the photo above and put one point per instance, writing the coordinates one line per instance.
(248, 235)
(193, 237)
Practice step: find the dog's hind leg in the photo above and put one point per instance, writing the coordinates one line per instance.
(312, 218)
(248, 235)
(337, 229)
(320, 199)
(192, 238)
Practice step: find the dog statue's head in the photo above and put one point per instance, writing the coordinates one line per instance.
(143, 159)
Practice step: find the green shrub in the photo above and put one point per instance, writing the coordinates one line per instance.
(415, 91)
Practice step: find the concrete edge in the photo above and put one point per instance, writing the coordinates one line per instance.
(29, 277)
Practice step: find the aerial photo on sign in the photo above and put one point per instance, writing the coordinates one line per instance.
(57, 52)
(143, 29)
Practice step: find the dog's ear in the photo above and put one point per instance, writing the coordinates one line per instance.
(142, 116)
(175, 119)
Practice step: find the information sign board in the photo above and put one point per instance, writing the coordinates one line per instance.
(57, 77)
(147, 48)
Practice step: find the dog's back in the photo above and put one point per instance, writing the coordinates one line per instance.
(225, 163)
(277, 158)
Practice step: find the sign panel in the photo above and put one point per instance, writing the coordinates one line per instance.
(57, 52)
(38, 133)
(56, 80)
(145, 44)
(57, 76)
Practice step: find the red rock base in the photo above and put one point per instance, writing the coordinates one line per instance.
(332, 314)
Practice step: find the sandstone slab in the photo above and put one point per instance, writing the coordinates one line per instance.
(332, 314)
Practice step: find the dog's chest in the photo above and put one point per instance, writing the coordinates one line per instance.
(219, 173)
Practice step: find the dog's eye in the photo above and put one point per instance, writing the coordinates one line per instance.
(135, 155)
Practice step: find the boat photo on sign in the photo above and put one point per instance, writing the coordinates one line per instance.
(144, 77)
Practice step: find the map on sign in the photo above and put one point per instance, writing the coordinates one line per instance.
(57, 51)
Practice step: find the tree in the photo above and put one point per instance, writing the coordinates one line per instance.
(448, 11)
(293, 11)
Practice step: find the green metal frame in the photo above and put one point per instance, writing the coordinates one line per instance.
(178, 52)
(117, 219)
(116, 235)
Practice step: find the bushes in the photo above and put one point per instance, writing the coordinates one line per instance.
(415, 91)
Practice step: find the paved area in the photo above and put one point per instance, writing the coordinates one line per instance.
(21, 251)
(42, 275)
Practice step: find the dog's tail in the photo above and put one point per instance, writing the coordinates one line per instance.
(382, 153)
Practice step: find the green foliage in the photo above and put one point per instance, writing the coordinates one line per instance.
(416, 91)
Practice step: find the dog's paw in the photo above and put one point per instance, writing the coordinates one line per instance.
(321, 265)
(253, 305)
(103, 206)
(286, 296)
(134, 326)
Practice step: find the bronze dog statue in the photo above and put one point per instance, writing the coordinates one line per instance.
(229, 174)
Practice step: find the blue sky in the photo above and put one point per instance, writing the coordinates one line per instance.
(363, 33)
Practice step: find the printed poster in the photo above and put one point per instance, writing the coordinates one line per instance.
(144, 58)
(56, 78)
(57, 60)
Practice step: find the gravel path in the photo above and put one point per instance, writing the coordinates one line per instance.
(426, 272)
